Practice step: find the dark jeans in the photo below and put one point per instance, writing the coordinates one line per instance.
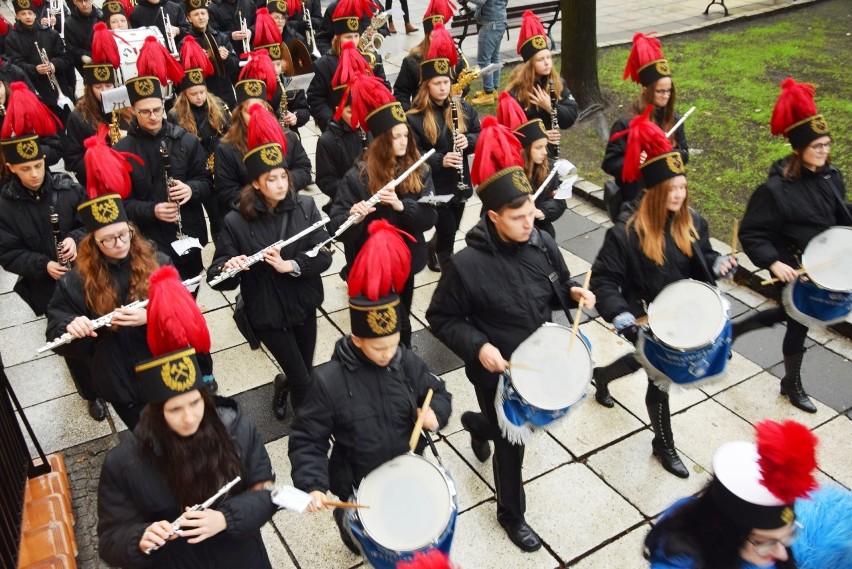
(293, 349)
(403, 4)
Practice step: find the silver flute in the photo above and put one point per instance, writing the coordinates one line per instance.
(198, 507)
(106, 319)
(170, 40)
(244, 30)
(258, 257)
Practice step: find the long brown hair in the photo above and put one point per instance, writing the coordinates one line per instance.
(92, 112)
(183, 110)
(237, 133)
(793, 168)
(195, 467)
(101, 292)
(646, 97)
(649, 222)
(523, 79)
(250, 196)
(422, 104)
(536, 173)
(420, 50)
(382, 166)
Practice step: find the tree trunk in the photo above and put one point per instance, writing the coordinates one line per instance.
(580, 50)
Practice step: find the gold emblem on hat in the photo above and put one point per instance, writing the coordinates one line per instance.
(178, 375)
(787, 515)
(539, 42)
(818, 125)
(382, 322)
(275, 51)
(27, 149)
(541, 126)
(253, 88)
(113, 7)
(101, 73)
(442, 66)
(105, 211)
(398, 112)
(662, 67)
(520, 181)
(144, 87)
(196, 4)
(195, 76)
(271, 156)
(24, 4)
(352, 24)
(282, 6)
(675, 163)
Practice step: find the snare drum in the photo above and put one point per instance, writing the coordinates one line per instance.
(690, 336)
(129, 43)
(545, 381)
(825, 297)
(412, 508)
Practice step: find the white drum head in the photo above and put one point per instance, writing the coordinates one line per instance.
(828, 259)
(409, 503)
(687, 314)
(545, 374)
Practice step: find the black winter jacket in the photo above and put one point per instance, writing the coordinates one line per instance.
(21, 50)
(549, 206)
(220, 85)
(297, 103)
(133, 493)
(623, 278)
(337, 150)
(188, 164)
(566, 107)
(273, 300)
(148, 14)
(77, 130)
(79, 30)
(370, 411)
(26, 237)
(206, 134)
(783, 215)
(408, 81)
(415, 218)
(225, 14)
(497, 292)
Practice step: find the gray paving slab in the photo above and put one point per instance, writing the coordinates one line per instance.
(572, 224)
(257, 404)
(587, 245)
(440, 358)
(764, 346)
(825, 375)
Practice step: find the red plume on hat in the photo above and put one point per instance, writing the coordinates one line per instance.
(509, 111)
(642, 135)
(350, 64)
(368, 94)
(383, 263)
(496, 149)
(795, 103)
(193, 56)
(128, 7)
(266, 31)
(26, 114)
(355, 8)
(174, 319)
(787, 459)
(4, 26)
(442, 45)
(645, 50)
(530, 26)
(104, 48)
(434, 559)
(294, 7)
(444, 8)
(107, 170)
(260, 67)
(155, 59)
(263, 129)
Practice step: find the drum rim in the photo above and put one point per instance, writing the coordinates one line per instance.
(832, 229)
(453, 510)
(719, 329)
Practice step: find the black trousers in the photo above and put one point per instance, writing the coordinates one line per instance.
(129, 413)
(794, 338)
(508, 461)
(449, 218)
(82, 377)
(404, 4)
(293, 349)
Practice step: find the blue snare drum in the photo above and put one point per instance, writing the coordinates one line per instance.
(690, 338)
(412, 508)
(825, 296)
(545, 381)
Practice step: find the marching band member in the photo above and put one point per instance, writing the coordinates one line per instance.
(226, 64)
(115, 14)
(450, 125)
(803, 196)
(648, 67)
(327, 30)
(537, 165)
(225, 17)
(28, 246)
(186, 447)
(478, 295)
(348, 21)
(26, 114)
(340, 145)
(385, 382)
(283, 13)
(282, 294)
(79, 29)
(662, 242)
(148, 13)
(392, 151)
(295, 17)
(536, 84)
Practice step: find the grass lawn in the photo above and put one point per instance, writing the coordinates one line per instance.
(731, 75)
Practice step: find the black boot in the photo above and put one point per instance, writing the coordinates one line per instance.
(624, 365)
(432, 256)
(477, 425)
(97, 409)
(791, 384)
(663, 443)
(280, 396)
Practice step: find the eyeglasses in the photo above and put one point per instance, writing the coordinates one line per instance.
(663, 92)
(148, 113)
(822, 147)
(765, 548)
(111, 242)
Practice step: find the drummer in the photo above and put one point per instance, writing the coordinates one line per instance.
(803, 196)
(368, 396)
(494, 294)
(662, 242)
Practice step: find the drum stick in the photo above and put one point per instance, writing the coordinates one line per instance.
(336, 504)
(579, 313)
(523, 366)
(418, 426)
(802, 271)
(734, 237)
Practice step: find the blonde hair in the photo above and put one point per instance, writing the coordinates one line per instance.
(523, 79)
(422, 104)
(649, 222)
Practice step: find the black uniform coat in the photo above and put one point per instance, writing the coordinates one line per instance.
(551, 207)
(26, 236)
(273, 300)
(21, 50)
(220, 85)
(77, 130)
(497, 292)
(415, 218)
(784, 215)
(225, 17)
(188, 164)
(79, 30)
(566, 107)
(370, 411)
(147, 14)
(408, 81)
(623, 277)
(297, 103)
(9, 72)
(206, 134)
(133, 493)
(114, 352)
(337, 149)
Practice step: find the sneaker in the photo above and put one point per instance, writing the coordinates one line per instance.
(485, 99)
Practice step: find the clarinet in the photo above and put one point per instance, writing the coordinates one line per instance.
(57, 238)
(167, 168)
(554, 121)
(362, 134)
(461, 187)
(282, 106)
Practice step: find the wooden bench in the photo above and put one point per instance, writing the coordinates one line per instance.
(464, 23)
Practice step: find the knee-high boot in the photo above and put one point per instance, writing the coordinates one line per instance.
(663, 443)
(791, 384)
(624, 365)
